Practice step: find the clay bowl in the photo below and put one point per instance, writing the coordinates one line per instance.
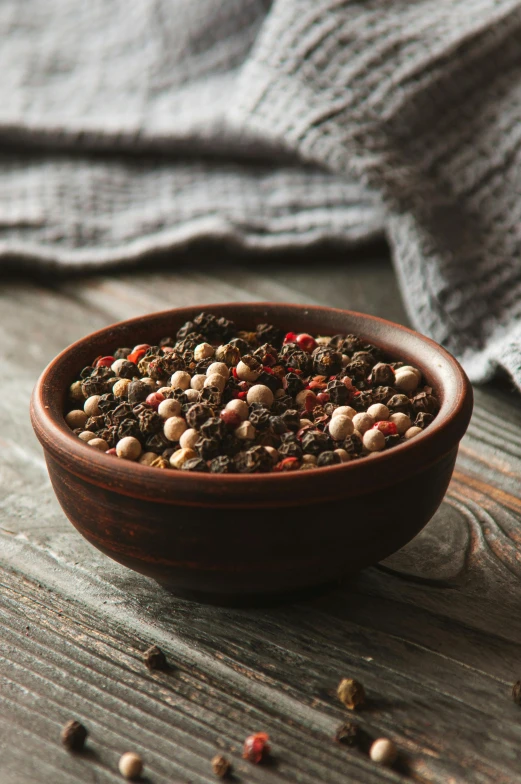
(239, 538)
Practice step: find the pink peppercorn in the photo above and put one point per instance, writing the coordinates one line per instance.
(136, 355)
(306, 342)
(323, 398)
(288, 464)
(105, 361)
(242, 395)
(154, 399)
(111, 451)
(256, 747)
(231, 418)
(385, 427)
(290, 337)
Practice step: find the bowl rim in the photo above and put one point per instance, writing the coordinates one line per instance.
(140, 481)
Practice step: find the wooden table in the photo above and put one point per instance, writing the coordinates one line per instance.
(434, 633)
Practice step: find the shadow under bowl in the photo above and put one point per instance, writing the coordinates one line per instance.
(245, 539)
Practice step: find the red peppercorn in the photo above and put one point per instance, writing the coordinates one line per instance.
(295, 370)
(231, 418)
(234, 372)
(306, 342)
(141, 347)
(316, 385)
(111, 451)
(387, 428)
(242, 395)
(256, 747)
(267, 369)
(136, 355)
(323, 398)
(105, 361)
(290, 337)
(154, 399)
(288, 464)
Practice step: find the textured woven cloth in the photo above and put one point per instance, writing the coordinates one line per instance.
(137, 126)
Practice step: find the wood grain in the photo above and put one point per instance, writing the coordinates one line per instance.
(434, 633)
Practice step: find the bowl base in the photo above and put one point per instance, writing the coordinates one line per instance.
(252, 600)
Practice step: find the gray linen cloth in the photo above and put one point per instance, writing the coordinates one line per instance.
(133, 126)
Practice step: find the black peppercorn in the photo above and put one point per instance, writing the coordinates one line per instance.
(423, 420)
(231, 445)
(74, 735)
(314, 442)
(348, 734)
(294, 357)
(195, 464)
(338, 392)
(328, 458)
(353, 445)
(157, 443)
(399, 404)
(346, 344)
(392, 440)
(198, 414)
(123, 411)
(290, 446)
(208, 448)
(260, 417)
(94, 423)
(137, 392)
(122, 353)
(210, 395)
(291, 419)
(516, 692)
(185, 330)
(281, 404)
(267, 333)
(293, 384)
(95, 385)
(222, 465)
(108, 402)
(326, 361)
(243, 346)
(277, 425)
(129, 427)
(357, 370)
(155, 659)
(213, 427)
(269, 380)
(423, 402)
(128, 370)
(266, 354)
(382, 375)
(150, 422)
(254, 461)
(168, 341)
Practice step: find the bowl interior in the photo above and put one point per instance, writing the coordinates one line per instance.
(439, 368)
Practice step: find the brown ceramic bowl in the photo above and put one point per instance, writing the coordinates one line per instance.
(238, 538)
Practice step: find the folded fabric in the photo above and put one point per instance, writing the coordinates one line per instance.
(137, 126)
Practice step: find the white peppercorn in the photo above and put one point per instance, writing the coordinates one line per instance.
(344, 411)
(374, 440)
(197, 381)
(378, 411)
(203, 351)
(98, 443)
(76, 418)
(120, 388)
(274, 454)
(218, 367)
(245, 431)
(149, 382)
(345, 360)
(362, 422)
(305, 422)
(192, 395)
(383, 751)
(181, 456)
(240, 407)
(130, 765)
(340, 427)
(343, 455)
(412, 432)
(91, 406)
(406, 379)
(174, 427)
(259, 393)
(245, 373)
(309, 459)
(87, 435)
(189, 438)
(181, 380)
(215, 380)
(117, 365)
(165, 390)
(169, 408)
(147, 458)
(76, 392)
(402, 422)
(128, 448)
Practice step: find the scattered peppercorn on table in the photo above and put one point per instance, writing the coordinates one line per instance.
(406, 673)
